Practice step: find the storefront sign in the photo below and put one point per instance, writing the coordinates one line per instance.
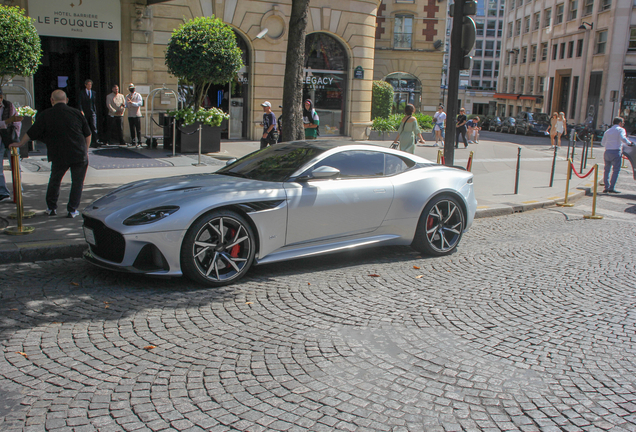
(85, 19)
(358, 73)
(318, 81)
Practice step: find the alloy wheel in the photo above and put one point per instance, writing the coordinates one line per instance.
(444, 225)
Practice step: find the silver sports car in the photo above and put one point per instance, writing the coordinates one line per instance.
(287, 201)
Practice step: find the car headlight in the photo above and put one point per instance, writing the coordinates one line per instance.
(152, 215)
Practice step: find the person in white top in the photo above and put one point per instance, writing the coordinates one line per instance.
(439, 118)
(116, 105)
(613, 140)
(134, 101)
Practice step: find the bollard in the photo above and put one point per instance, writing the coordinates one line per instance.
(439, 157)
(583, 152)
(567, 187)
(624, 165)
(517, 175)
(199, 162)
(469, 165)
(553, 166)
(594, 215)
(567, 156)
(591, 148)
(19, 230)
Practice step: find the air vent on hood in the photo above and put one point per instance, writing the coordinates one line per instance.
(257, 206)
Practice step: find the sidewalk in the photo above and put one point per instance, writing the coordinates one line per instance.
(493, 165)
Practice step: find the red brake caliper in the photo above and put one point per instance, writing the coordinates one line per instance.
(234, 252)
(429, 223)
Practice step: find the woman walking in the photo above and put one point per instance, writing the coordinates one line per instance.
(560, 128)
(552, 129)
(408, 130)
(439, 119)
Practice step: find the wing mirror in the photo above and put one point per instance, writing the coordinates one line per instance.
(323, 172)
(231, 161)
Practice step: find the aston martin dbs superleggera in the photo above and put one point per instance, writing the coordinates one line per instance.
(291, 200)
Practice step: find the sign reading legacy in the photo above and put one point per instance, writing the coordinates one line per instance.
(85, 19)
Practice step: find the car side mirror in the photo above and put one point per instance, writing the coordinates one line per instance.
(231, 161)
(323, 172)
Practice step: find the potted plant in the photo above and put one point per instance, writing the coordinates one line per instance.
(202, 52)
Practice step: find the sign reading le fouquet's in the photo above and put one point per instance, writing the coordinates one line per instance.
(85, 19)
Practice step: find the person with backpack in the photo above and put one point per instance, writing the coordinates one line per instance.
(310, 120)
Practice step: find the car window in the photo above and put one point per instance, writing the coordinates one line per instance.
(356, 163)
(395, 165)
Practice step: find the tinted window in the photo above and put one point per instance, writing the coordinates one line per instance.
(542, 118)
(275, 163)
(356, 163)
(395, 164)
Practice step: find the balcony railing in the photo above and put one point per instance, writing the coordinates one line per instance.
(402, 40)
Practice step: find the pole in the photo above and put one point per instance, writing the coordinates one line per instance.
(19, 230)
(469, 166)
(174, 135)
(517, 175)
(199, 163)
(553, 166)
(439, 157)
(594, 215)
(456, 55)
(583, 155)
(592, 148)
(567, 187)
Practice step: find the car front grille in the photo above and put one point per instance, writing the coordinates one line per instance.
(110, 245)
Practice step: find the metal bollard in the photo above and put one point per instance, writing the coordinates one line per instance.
(583, 155)
(553, 166)
(199, 163)
(517, 175)
(591, 148)
(439, 157)
(15, 172)
(469, 165)
(567, 187)
(594, 215)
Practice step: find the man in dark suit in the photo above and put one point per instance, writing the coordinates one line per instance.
(87, 105)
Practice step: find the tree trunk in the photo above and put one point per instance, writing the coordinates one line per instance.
(294, 72)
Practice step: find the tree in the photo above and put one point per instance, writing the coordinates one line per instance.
(203, 52)
(20, 48)
(294, 72)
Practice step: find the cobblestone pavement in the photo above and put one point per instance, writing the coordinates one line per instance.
(529, 326)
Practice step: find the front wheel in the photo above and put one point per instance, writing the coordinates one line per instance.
(440, 227)
(218, 248)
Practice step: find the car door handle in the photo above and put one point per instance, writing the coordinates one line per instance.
(379, 190)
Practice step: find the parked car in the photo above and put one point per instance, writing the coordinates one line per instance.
(286, 201)
(529, 123)
(508, 125)
(494, 124)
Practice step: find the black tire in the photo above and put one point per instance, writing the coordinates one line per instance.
(440, 227)
(218, 248)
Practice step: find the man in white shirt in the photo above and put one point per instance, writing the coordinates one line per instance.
(134, 101)
(613, 141)
(116, 105)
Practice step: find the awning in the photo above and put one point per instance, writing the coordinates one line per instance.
(527, 97)
(506, 96)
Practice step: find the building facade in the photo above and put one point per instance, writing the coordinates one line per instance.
(409, 39)
(572, 56)
(124, 41)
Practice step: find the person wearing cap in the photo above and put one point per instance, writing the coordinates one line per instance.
(270, 132)
(134, 102)
(10, 124)
(310, 120)
(116, 105)
(88, 107)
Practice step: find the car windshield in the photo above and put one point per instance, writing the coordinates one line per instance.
(542, 118)
(276, 163)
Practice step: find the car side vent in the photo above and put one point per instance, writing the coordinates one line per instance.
(257, 206)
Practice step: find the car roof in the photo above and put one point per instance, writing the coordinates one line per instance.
(328, 145)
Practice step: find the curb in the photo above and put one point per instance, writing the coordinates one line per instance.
(62, 249)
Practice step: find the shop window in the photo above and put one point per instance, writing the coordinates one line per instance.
(601, 41)
(573, 9)
(588, 7)
(407, 89)
(558, 18)
(570, 49)
(491, 28)
(490, 49)
(632, 39)
(547, 18)
(537, 21)
(579, 47)
(403, 31)
(544, 51)
(526, 25)
(533, 54)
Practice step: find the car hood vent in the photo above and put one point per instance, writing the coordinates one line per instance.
(258, 206)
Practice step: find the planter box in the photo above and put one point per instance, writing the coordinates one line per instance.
(378, 135)
(210, 139)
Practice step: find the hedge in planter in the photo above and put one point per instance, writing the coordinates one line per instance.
(382, 99)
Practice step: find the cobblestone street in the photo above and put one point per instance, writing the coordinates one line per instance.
(530, 325)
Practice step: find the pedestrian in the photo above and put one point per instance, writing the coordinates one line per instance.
(67, 136)
(407, 131)
(10, 124)
(613, 140)
(270, 131)
(461, 128)
(310, 120)
(561, 125)
(88, 107)
(134, 101)
(473, 129)
(552, 129)
(439, 118)
(116, 104)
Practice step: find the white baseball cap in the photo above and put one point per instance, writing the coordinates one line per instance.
(131, 86)
(266, 104)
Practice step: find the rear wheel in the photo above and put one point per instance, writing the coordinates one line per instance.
(440, 227)
(218, 249)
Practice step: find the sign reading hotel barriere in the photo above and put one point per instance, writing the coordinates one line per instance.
(84, 19)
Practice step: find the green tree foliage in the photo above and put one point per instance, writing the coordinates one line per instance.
(203, 52)
(20, 48)
(382, 99)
